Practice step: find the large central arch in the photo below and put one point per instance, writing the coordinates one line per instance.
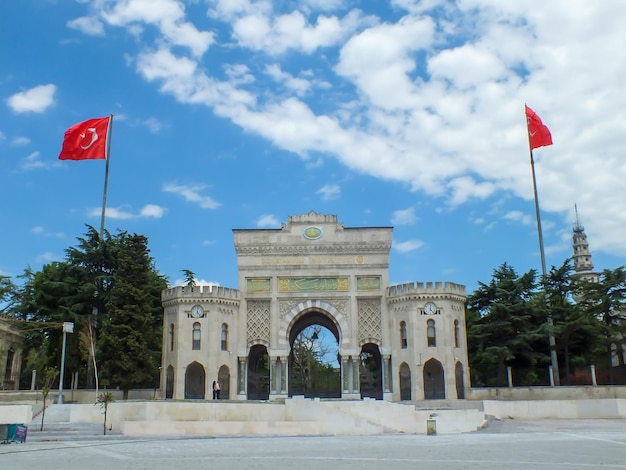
(311, 374)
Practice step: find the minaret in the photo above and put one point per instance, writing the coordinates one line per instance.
(583, 267)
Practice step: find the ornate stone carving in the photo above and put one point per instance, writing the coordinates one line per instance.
(258, 320)
(369, 319)
(340, 305)
(286, 306)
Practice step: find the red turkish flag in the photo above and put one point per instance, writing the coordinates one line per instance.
(86, 140)
(538, 134)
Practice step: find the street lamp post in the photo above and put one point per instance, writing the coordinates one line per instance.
(68, 327)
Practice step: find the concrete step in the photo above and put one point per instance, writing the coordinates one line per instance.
(54, 413)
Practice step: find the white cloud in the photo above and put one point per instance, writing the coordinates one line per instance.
(199, 282)
(324, 5)
(467, 66)
(278, 34)
(192, 194)
(328, 192)
(112, 213)
(229, 10)
(518, 216)
(87, 25)
(122, 213)
(33, 162)
(465, 188)
(20, 141)
(299, 85)
(152, 210)
(153, 125)
(407, 246)
(268, 221)
(404, 217)
(432, 101)
(35, 100)
(167, 15)
(46, 257)
(39, 230)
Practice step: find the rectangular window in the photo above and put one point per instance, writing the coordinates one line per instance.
(195, 343)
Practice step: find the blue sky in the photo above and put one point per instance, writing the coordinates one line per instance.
(238, 113)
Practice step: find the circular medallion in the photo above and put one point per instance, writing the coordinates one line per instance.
(312, 233)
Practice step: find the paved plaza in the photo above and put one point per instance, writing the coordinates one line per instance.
(507, 444)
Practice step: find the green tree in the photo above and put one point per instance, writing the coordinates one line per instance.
(504, 326)
(104, 400)
(77, 290)
(8, 294)
(190, 277)
(49, 376)
(93, 261)
(124, 346)
(606, 301)
(575, 330)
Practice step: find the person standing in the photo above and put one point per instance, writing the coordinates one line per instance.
(214, 390)
(218, 389)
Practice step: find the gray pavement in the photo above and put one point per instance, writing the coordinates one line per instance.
(507, 444)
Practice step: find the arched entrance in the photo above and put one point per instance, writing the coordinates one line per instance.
(434, 384)
(169, 382)
(258, 373)
(223, 376)
(195, 379)
(405, 382)
(371, 372)
(314, 362)
(458, 375)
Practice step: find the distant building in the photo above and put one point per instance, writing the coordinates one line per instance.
(400, 342)
(583, 266)
(10, 355)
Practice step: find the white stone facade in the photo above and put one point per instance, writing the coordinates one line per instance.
(313, 270)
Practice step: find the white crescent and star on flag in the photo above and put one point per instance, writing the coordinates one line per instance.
(94, 138)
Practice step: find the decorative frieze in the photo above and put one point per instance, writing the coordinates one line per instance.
(313, 284)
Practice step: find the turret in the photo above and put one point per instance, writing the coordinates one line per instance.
(583, 266)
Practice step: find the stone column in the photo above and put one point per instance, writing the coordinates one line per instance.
(241, 376)
(273, 375)
(356, 384)
(345, 376)
(386, 364)
(283, 376)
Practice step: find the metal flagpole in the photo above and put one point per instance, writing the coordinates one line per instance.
(106, 177)
(554, 377)
(104, 205)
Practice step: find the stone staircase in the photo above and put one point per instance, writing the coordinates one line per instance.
(295, 416)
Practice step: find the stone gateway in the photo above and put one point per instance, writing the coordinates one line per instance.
(395, 343)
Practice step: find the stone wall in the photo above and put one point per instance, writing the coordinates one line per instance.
(547, 393)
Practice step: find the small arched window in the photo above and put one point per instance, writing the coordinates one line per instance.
(431, 333)
(403, 339)
(456, 333)
(8, 371)
(224, 337)
(171, 333)
(197, 333)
